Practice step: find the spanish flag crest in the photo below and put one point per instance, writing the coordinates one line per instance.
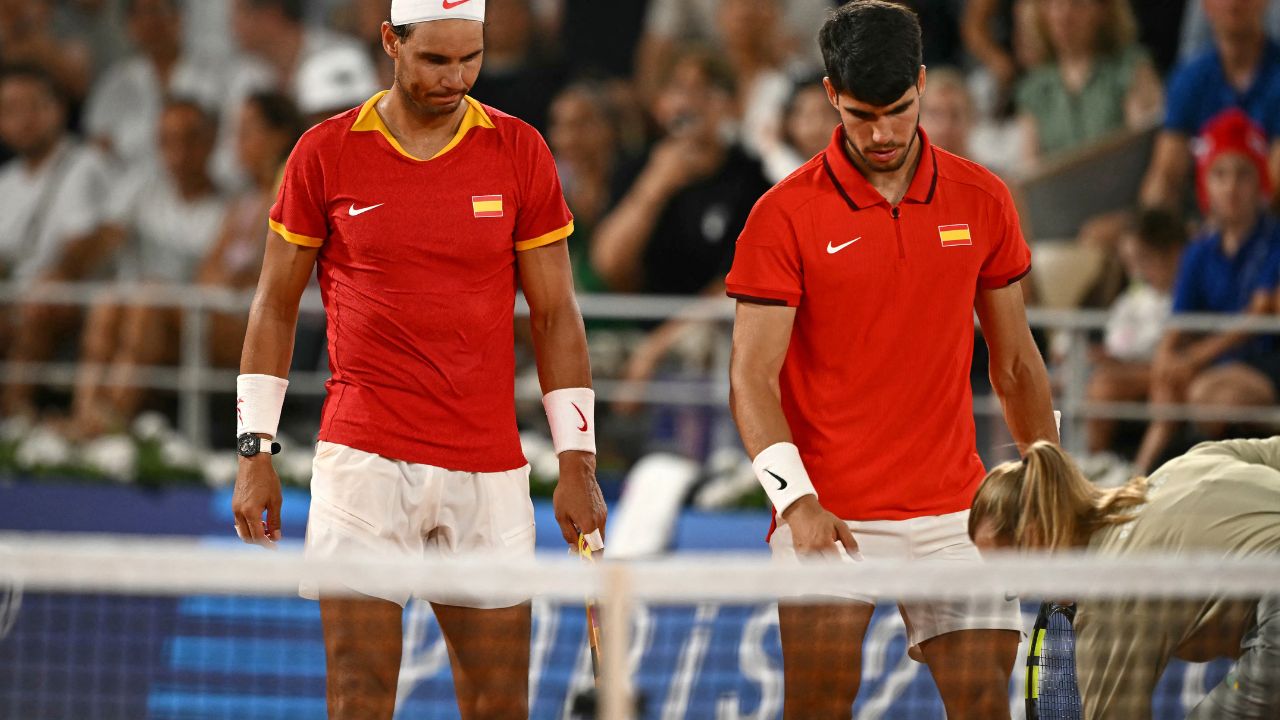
(486, 206)
(954, 235)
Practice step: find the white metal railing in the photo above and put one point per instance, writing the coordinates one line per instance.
(193, 380)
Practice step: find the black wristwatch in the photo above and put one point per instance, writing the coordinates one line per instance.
(249, 445)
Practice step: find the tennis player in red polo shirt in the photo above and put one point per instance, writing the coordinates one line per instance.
(856, 279)
(422, 210)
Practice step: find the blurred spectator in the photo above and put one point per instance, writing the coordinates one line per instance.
(584, 139)
(807, 121)
(165, 216)
(518, 76)
(669, 24)
(281, 49)
(327, 86)
(1196, 33)
(673, 230)
(1001, 35)
(29, 36)
(1150, 250)
(53, 201)
(755, 46)
(950, 116)
(269, 127)
(366, 18)
(1096, 80)
(1233, 268)
(124, 108)
(1241, 70)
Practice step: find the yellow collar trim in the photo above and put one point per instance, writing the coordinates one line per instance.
(370, 121)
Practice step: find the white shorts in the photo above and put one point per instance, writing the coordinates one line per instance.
(365, 504)
(933, 537)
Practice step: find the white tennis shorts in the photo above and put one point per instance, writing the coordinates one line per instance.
(933, 537)
(368, 505)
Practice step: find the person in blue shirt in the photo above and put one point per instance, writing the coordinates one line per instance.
(1233, 268)
(1241, 70)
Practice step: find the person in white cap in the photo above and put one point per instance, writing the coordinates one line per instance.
(422, 210)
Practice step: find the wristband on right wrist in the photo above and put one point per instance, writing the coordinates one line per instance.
(781, 472)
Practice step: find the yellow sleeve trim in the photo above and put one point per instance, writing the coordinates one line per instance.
(553, 236)
(295, 238)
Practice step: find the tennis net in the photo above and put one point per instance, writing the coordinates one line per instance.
(110, 627)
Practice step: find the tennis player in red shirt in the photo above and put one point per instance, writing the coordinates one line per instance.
(856, 279)
(422, 210)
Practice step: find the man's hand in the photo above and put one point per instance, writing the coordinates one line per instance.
(257, 490)
(578, 504)
(815, 531)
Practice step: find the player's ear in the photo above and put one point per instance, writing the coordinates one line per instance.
(390, 41)
(832, 95)
(920, 80)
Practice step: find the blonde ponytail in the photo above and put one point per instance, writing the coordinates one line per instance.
(1044, 501)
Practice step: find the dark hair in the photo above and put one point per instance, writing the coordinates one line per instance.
(872, 50)
(208, 120)
(1160, 230)
(280, 113)
(402, 31)
(37, 74)
(295, 10)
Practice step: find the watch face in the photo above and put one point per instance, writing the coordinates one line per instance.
(248, 445)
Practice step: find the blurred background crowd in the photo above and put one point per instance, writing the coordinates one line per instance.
(142, 140)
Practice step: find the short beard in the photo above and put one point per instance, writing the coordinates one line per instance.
(419, 108)
(906, 153)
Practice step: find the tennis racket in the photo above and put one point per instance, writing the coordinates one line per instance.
(593, 620)
(1051, 692)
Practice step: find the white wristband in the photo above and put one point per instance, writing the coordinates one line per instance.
(259, 399)
(781, 472)
(571, 413)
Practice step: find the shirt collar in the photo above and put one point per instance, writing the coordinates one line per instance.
(854, 187)
(370, 121)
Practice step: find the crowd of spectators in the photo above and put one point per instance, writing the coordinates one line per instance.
(142, 141)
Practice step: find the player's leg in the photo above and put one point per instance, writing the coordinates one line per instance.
(1227, 386)
(489, 654)
(970, 646)
(362, 505)
(821, 657)
(362, 639)
(1252, 688)
(972, 670)
(487, 514)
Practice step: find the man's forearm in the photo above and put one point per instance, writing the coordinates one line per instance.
(1028, 405)
(268, 342)
(560, 346)
(623, 233)
(757, 411)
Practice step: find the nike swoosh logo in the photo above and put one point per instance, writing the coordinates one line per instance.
(833, 249)
(782, 484)
(354, 212)
(584, 417)
(451, 4)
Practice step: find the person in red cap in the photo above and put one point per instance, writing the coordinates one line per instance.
(1234, 267)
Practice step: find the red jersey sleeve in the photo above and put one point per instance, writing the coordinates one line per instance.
(542, 216)
(300, 212)
(1008, 257)
(766, 261)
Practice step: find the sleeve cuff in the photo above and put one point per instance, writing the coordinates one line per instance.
(999, 282)
(295, 238)
(762, 296)
(547, 239)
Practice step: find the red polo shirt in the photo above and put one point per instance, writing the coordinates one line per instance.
(417, 270)
(875, 385)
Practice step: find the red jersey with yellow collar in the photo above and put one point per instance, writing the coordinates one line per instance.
(417, 271)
